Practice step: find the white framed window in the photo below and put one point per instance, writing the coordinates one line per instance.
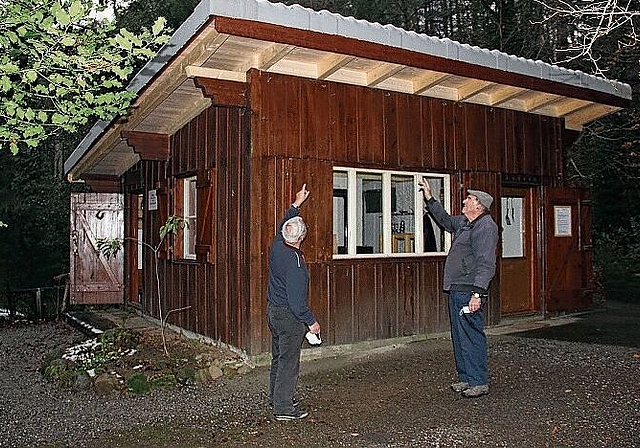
(381, 213)
(190, 211)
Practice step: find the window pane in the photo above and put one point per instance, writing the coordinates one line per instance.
(190, 211)
(433, 236)
(402, 214)
(512, 234)
(369, 213)
(340, 212)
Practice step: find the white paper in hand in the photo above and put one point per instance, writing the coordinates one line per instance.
(313, 339)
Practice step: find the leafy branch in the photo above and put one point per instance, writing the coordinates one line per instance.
(59, 67)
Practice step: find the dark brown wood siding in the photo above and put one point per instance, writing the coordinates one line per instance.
(302, 128)
(249, 164)
(212, 291)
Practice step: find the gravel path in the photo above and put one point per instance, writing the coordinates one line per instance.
(544, 393)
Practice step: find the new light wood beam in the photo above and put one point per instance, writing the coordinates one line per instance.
(329, 66)
(426, 82)
(187, 114)
(543, 101)
(569, 106)
(205, 45)
(208, 45)
(588, 113)
(193, 71)
(381, 73)
(473, 88)
(505, 94)
(271, 56)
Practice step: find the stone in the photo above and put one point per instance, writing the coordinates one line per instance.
(107, 384)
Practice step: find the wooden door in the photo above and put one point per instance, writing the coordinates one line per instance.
(568, 268)
(518, 280)
(95, 279)
(134, 249)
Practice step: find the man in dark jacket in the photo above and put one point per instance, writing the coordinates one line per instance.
(288, 313)
(468, 270)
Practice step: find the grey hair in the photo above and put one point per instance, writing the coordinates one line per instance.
(293, 229)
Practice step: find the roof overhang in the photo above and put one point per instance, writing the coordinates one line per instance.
(224, 40)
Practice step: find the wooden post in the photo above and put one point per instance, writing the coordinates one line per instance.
(39, 302)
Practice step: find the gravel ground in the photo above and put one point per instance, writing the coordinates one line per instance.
(568, 390)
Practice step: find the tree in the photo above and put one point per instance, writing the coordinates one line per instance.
(59, 67)
(34, 202)
(593, 22)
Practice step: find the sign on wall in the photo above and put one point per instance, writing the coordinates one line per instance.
(152, 200)
(562, 220)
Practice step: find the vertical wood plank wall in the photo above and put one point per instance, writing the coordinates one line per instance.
(296, 131)
(215, 291)
(301, 129)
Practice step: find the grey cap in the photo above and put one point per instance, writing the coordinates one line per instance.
(485, 198)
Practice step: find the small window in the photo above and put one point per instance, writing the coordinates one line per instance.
(512, 227)
(190, 212)
(382, 213)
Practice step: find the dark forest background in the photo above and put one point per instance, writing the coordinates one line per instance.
(34, 195)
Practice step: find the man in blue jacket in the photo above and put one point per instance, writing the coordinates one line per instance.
(468, 270)
(288, 313)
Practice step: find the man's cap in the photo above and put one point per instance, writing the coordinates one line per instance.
(483, 197)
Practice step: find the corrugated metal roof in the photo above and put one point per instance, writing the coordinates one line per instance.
(325, 22)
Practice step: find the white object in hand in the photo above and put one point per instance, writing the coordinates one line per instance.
(313, 339)
(465, 310)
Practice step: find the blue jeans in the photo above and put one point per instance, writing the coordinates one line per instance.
(469, 340)
(287, 335)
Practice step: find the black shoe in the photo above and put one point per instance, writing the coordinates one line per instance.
(295, 415)
(295, 404)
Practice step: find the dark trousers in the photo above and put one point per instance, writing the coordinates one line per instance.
(469, 340)
(287, 335)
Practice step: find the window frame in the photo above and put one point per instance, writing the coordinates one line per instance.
(419, 204)
(190, 216)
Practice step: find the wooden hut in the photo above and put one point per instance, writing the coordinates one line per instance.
(251, 99)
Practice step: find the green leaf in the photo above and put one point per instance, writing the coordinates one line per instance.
(158, 26)
(131, 37)
(30, 75)
(62, 17)
(68, 41)
(5, 84)
(57, 118)
(42, 116)
(32, 142)
(13, 37)
(9, 68)
(76, 10)
(123, 42)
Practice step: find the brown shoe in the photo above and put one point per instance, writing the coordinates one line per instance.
(476, 391)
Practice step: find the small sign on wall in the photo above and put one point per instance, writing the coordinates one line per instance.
(152, 200)
(562, 220)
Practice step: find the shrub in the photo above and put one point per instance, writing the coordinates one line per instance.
(138, 384)
(61, 372)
